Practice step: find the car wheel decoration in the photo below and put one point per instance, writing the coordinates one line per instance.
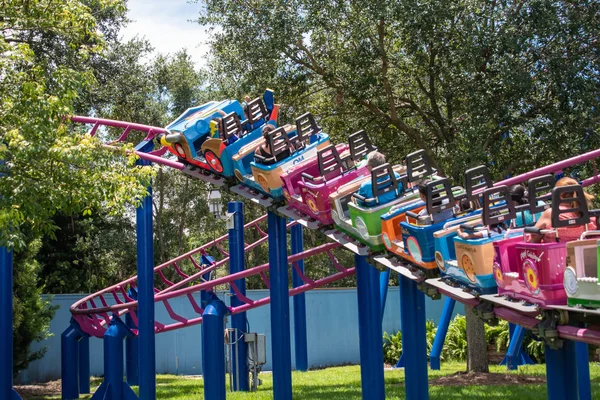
(439, 261)
(213, 161)
(386, 240)
(414, 249)
(531, 276)
(286, 194)
(467, 265)
(179, 149)
(570, 281)
(238, 175)
(263, 182)
(362, 227)
(498, 276)
(312, 204)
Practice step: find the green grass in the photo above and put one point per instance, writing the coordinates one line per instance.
(344, 383)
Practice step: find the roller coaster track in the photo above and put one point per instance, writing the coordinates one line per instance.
(92, 312)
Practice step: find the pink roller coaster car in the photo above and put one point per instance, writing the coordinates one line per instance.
(307, 186)
(533, 272)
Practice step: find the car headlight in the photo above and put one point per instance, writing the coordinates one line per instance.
(362, 227)
(570, 281)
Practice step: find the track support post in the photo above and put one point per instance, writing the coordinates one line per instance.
(440, 335)
(6, 325)
(384, 282)
(300, 341)
(84, 364)
(131, 354)
(237, 264)
(414, 344)
(113, 387)
(369, 330)
(561, 372)
(280, 308)
(213, 348)
(583, 371)
(516, 355)
(145, 290)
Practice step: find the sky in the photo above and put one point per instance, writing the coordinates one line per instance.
(166, 25)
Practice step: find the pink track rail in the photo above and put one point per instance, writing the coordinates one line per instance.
(128, 127)
(94, 318)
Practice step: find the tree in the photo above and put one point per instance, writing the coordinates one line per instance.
(468, 81)
(52, 167)
(46, 48)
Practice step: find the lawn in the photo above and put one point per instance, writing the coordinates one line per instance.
(344, 383)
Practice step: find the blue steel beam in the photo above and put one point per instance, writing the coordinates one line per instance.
(440, 335)
(369, 330)
(131, 354)
(384, 282)
(300, 341)
(84, 364)
(238, 321)
(213, 348)
(145, 289)
(515, 348)
(583, 371)
(561, 372)
(6, 325)
(414, 345)
(113, 387)
(69, 360)
(280, 308)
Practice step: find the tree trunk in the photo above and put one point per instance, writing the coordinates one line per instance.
(477, 357)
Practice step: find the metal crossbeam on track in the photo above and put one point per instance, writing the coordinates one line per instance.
(94, 317)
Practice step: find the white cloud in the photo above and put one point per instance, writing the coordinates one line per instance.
(167, 26)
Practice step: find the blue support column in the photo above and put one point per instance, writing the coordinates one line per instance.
(69, 362)
(84, 364)
(514, 348)
(131, 355)
(583, 371)
(440, 335)
(238, 321)
(6, 325)
(384, 282)
(280, 308)
(205, 295)
(414, 344)
(515, 354)
(369, 330)
(113, 387)
(213, 349)
(300, 341)
(145, 270)
(400, 363)
(561, 372)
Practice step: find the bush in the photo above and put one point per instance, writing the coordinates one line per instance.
(455, 346)
(392, 344)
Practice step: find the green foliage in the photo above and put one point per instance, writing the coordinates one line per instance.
(51, 167)
(392, 347)
(455, 346)
(470, 81)
(392, 344)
